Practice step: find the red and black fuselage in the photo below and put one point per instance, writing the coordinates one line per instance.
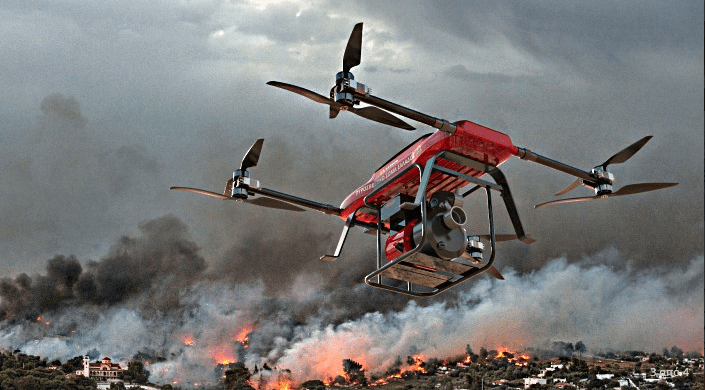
(470, 140)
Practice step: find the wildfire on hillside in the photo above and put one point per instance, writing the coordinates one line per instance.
(417, 364)
(284, 384)
(341, 378)
(222, 355)
(515, 358)
(242, 335)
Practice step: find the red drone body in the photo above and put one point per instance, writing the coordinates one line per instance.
(470, 140)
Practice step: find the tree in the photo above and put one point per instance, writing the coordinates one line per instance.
(27, 383)
(236, 377)
(72, 365)
(355, 372)
(80, 382)
(580, 348)
(135, 373)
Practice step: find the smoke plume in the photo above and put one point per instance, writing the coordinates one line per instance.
(154, 298)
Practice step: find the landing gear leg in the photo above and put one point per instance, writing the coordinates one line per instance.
(348, 224)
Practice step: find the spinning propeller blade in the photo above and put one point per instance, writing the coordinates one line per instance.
(272, 204)
(629, 189)
(569, 188)
(492, 271)
(381, 116)
(316, 97)
(626, 153)
(263, 201)
(351, 59)
(250, 160)
(252, 157)
(371, 113)
(499, 237)
(202, 192)
(353, 51)
(618, 158)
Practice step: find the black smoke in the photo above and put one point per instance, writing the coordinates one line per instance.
(148, 272)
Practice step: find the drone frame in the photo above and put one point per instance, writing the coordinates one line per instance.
(435, 275)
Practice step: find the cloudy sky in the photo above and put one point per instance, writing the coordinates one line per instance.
(106, 104)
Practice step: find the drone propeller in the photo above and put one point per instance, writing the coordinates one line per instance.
(626, 190)
(252, 156)
(241, 180)
(351, 58)
(264, 202)
(372, 113)
(626, 153)
(353, 51)
(492, 271)
(603, 179)
(618, 158)
(499, 237)
(474, 250)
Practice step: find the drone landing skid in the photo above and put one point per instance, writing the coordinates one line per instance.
(417, 273)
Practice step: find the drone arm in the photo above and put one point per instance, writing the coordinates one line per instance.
(440, 124)
(526, 154)
(310, 204)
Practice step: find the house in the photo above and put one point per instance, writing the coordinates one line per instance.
(534, 381)
(101, 371)
(626, 382)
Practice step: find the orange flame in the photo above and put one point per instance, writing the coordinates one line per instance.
(329, 381)
(242, 335)
(284, 384)
(188, 340)
(517, 359)
(416, 366)
(222, 356)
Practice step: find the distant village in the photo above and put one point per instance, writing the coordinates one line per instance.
(500, 370)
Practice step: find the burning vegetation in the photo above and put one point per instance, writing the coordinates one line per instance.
(236, 375)
(188, 318)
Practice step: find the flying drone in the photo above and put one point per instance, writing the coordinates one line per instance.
(415, 199)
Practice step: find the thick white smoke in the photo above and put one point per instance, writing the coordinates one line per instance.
(605, 308)
(608, 308)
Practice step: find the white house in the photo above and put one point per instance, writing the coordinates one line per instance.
(534, 381)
